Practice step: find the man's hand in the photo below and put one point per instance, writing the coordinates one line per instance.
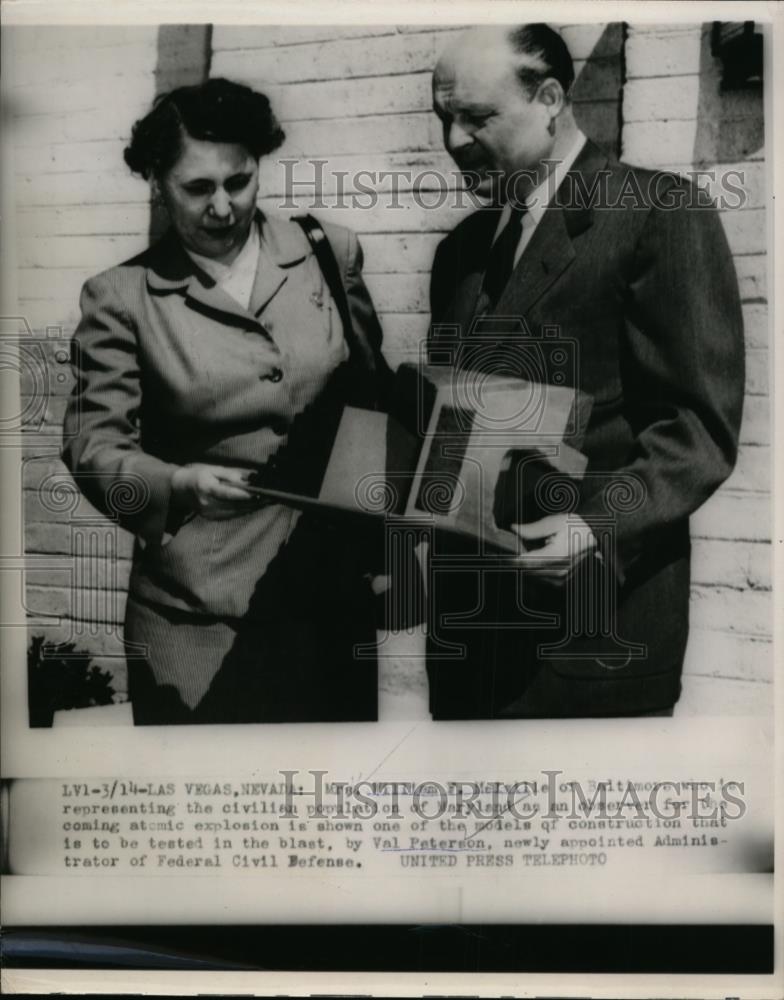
(213, 491)
(554, 544)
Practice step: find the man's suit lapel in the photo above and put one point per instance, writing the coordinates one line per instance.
(549, 253)
(551, 249)
(544, 260)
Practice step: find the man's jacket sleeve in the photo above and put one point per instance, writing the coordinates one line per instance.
(682, 358)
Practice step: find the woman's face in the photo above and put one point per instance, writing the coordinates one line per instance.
(210, 195)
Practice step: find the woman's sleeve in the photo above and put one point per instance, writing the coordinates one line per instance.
(101, 435)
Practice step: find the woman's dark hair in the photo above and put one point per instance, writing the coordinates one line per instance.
(546, 46)
(217, 110)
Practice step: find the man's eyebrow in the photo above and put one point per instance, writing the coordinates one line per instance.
(453, 107)
(476, 108)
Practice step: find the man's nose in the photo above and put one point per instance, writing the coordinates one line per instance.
(220, 204)
(457, 137)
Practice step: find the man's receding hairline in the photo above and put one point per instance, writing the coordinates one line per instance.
(517, 60)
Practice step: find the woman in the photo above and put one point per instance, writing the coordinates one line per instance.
(193, 362)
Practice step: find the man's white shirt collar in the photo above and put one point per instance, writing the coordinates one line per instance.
(542, 195)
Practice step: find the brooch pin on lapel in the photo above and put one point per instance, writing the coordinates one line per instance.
(317, 299)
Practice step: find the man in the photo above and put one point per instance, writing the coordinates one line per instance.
(634, 271)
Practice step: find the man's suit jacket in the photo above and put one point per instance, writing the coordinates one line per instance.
(642, 289)
(172, 370)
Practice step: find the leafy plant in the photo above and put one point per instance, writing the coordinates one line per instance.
(59, 676)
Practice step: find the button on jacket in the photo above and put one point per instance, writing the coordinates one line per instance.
(172, 370)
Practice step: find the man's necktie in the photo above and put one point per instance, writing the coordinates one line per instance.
(500, 262)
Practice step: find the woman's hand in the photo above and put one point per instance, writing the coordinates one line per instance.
(213, 491)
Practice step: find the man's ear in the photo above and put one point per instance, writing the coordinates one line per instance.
(551, 94)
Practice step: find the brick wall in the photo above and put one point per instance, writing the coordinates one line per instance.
(359, 97)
